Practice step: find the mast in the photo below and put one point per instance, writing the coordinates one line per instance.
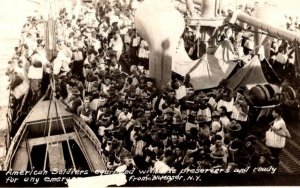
(51, 13)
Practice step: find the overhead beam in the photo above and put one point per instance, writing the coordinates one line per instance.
(273, 31)
(51, 139)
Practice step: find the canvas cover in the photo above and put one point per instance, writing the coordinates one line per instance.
(249, 76)
(208, 71)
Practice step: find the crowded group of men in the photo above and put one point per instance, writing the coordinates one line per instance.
(101, 74)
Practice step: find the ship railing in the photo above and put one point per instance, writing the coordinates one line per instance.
(17, 139)
(12, 151)
(9, 118)
(8, 128)
(93, 138)
(84, 150)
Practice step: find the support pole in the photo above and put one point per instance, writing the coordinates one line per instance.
(160, 66)
(47, 146)
(297, 64)
(190, 7)
(63, 127)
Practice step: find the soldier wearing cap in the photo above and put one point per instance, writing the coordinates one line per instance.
(219, 152)
(135, 131)
(224, 116)
(125, 116)
(204, 110)
(178, 123)
(127, 163)
(77, 58)
(216, 126)
(138, 148)
(250, 152)
(35, 75)
(168, 114)
(117, 152)
(171, 97)
(187, 82)
(103, 107)
(104, 123)
(224, 96)
(179, 153)
(174, 138)
(187, 101)
(150, 89)
(120, 79)
(235, 151)
(204, 130)
(74, 100)
(105, 86)
(191, 121)
(160, 121)
(97, 101)
(112, 95)
(150, 114)
(161, 166)
(74, 81)
(85, 112)
(91, 82)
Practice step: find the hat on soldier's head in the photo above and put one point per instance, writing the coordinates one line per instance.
(215, 114)
(235, 145)
(143, 121)
(251, 138)
(150, 80)
(241, 90)
(37, 64)
(75, 91)
(116, 72)
(233, 126)
(160, 121)
(200, 119)
(87, 66)
(154, 130)
(178, 120)
(111, 90)
(202, 96)
(224, 82)
(169, 111)
(115, 144)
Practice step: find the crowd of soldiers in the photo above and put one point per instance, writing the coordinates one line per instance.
(101, 73)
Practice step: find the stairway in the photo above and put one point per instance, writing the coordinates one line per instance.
(290, 157)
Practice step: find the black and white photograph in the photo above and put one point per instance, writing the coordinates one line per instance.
(149, 93)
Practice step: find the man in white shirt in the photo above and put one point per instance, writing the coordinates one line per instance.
(117, 45)
(279, 136)
(161, 166)
(125, 116)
